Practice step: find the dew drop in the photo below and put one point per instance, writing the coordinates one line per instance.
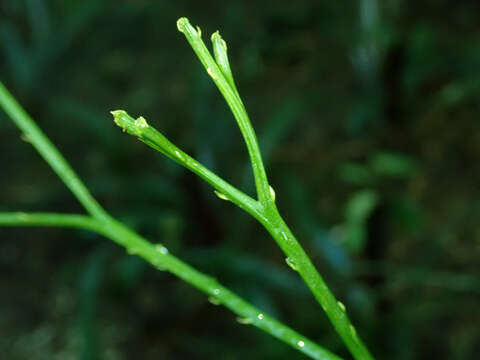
(290, 262)
(260, 316)
(216, 291)
(341, 306)
(301, 343)
(161, 249)
(284, 235)
(213, 300)
(244, 320)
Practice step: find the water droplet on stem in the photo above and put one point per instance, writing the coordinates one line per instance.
(161, 249)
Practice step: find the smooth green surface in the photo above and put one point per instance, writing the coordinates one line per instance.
(234, 102)
(270, 218)
(50, 154)
(157, 255)
(345, 97)
(150, 136)
(264, 209)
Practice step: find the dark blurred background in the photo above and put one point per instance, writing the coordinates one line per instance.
(367, 115)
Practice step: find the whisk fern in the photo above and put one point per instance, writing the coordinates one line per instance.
(263, 208)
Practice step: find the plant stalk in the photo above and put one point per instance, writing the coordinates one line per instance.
(159, 256)
(49, 153)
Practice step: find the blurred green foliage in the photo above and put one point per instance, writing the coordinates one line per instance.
(367, 117)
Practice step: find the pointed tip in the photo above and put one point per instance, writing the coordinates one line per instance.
(216, 36)
(217, 39)
(117, 113)
(221, 196)
(123, 120)
(272, 193)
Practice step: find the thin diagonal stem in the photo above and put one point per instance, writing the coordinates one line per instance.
(153, 138)
(49, 152)
(235, 104)
(222, 76)
(158, 256)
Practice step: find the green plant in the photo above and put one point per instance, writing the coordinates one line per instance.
(263, 209)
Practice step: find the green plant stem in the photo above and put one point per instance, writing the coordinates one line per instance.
(269, 217)
(221, 74)
(50, 219)
(50, 154)
(153, 138)
(234, 102)
(158, 256)
(300, 262)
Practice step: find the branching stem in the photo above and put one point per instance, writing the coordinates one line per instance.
(219, 70)
(263, 209)
(49, 152)
(157, 255)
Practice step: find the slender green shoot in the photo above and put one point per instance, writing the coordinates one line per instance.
(265, 209)
(159, 256)
(150, 136)
(33, 134)
(155, 254)
(224, 84)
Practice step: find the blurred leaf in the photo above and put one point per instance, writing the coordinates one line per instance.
(358, 209)
(391, 164)
(355, 174)
(360, 206)
(355, 237)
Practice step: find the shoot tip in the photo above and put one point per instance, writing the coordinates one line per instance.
(182, 23)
